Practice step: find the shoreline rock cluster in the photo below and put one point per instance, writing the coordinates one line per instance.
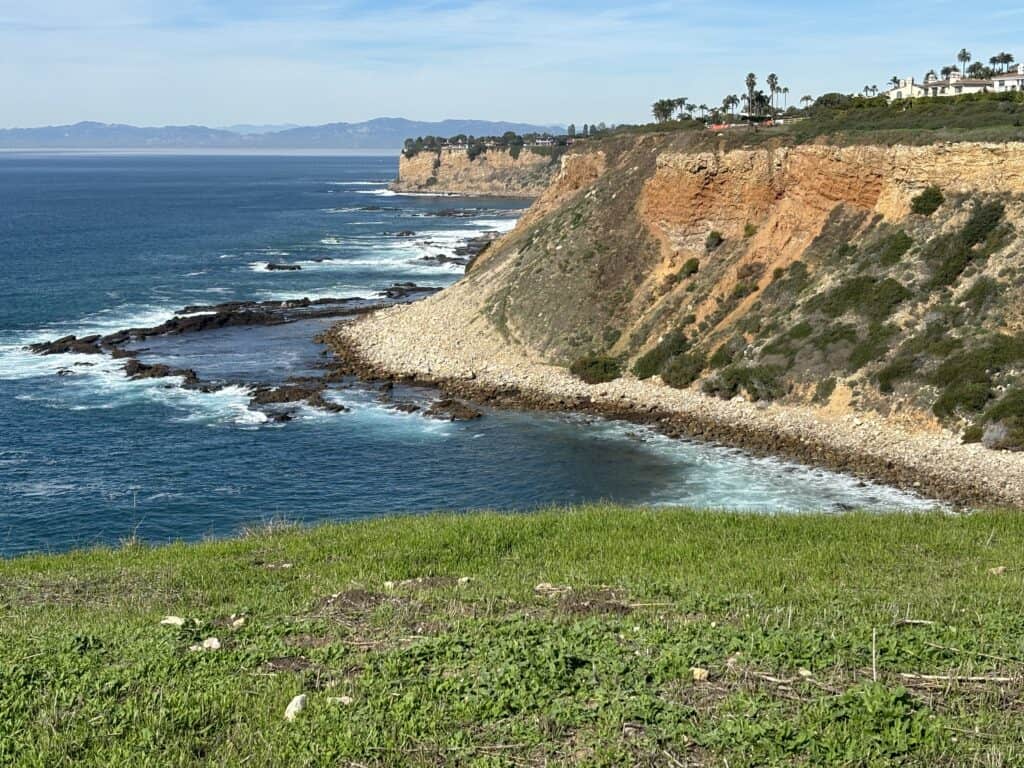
(450, 346)
(279, 402)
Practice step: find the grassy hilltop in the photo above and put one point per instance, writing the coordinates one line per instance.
(599, 636)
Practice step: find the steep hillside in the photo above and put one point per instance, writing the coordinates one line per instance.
(798, 274)
(526, 173)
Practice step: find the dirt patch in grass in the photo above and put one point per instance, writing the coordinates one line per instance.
(287, 664)
(595, 602)
(309, 641)
(350, 602)
(423, 582)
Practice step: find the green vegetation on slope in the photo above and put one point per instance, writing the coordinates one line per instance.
(858, 120)
(566, 637)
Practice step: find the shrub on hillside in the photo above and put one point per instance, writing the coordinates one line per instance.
(760, 382)
(823, 391)
(874, 346)
(691, 267)
(1004, 423)
(728, 352)
(894, 247)
(962, 397)
(682, 370)
(871, 297)
(927, 202)
(951, 254)
(596, 369)
(984, 290)
(714, 240)
(651, 363)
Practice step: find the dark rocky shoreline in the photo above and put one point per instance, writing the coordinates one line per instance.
(278, 402)
(199, 318)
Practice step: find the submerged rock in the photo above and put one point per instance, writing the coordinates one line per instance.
(138, 370)
(88, 345)
(285, 394)
(319, 401)
(452, 410)
(405, 290)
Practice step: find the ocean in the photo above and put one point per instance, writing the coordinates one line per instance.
(93, 243)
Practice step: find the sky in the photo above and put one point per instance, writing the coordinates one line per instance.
(223, 62)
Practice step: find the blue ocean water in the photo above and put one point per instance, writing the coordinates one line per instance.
(92, 243)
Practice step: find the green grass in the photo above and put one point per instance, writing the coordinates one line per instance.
(806, 626)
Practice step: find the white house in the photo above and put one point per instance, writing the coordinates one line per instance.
(907, 88)
(954, 85)
(1012, 80)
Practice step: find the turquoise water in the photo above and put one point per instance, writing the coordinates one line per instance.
(95, 243)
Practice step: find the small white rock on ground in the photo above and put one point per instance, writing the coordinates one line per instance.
(295, 706)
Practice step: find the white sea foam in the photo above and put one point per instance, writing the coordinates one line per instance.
(377, 192)
(752, 483)
(39, 488)
(357, 183)
(228, 406)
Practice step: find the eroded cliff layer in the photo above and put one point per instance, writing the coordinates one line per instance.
(797, 274)
(496, 172)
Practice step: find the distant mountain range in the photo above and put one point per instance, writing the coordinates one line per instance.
(381, 133)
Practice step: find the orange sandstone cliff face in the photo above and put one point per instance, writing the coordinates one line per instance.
(493, 173)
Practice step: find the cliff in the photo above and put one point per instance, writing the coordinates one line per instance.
(492, 173)
(799, 274)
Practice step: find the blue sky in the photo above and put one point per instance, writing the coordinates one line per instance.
(218, 62)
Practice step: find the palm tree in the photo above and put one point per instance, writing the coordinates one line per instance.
(761, 102)
(964, 57)
(894, 81)
(773, 86)
(663, 109)
(930, 73)
(751, 84)
(703, 109)
(785, 96)
(678, 105)
(947, 71)
(807, 100)
(729, 104)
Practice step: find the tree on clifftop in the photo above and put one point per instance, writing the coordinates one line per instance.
(730, 102)
(662, 110)
(1001, 60)
(964, 57)
(751, 84)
